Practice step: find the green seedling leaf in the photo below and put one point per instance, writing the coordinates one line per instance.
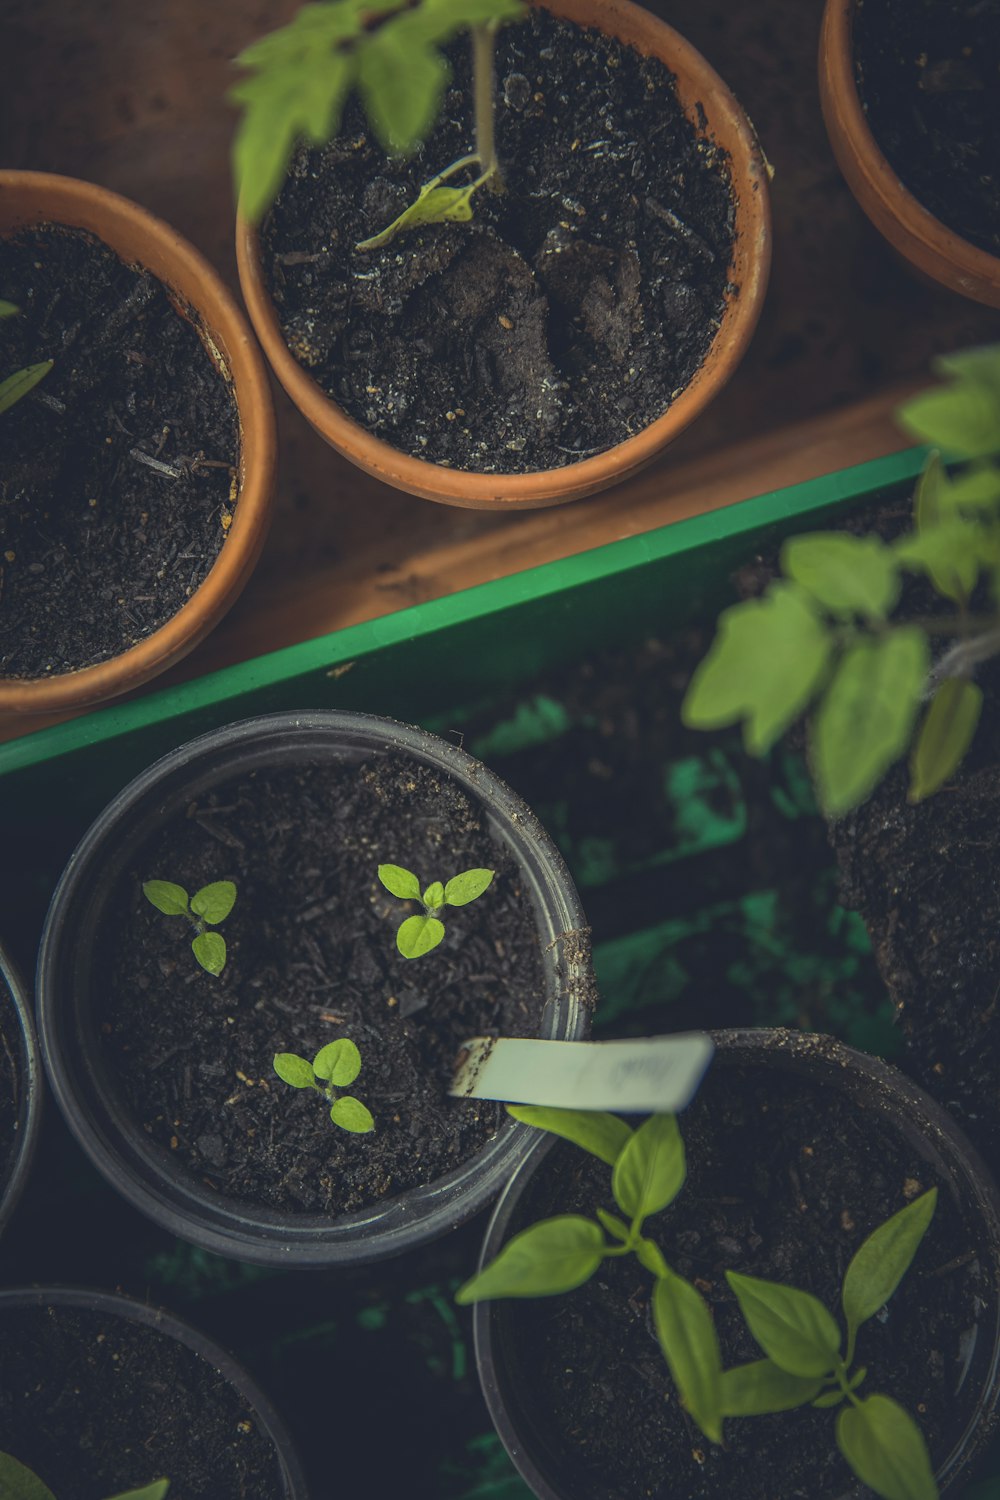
(418, 935)
(469, 886)
(793, 1328)
(849, 575)
(434, 205)
(209, 948)
(399, 882)
(691, 1348)
(865, 719)
(828, 1401)
(614, 1226)
(882, 1261)
(214, 902)
(293, 1069)
(155, 1491)
(886, 1450)
(7, 309)
(976, 489)
(440, 20)
(338, 1062)
(602, 1135)
(433, 897)
(949, 553)
(944, 736)
(980, 365)
(350, 1114)
(167, 897)
(649, 1255)
(402, 82)
(755, 1389)
(18, 1482)
(556, 1255)
(929, 495)
(766, 664)
(21, 382)
(961, 418)
(650, 1168)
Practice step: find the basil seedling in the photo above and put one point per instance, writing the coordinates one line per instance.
(18, 1482)
(332, 1069)
(418, 935)
(206, 908)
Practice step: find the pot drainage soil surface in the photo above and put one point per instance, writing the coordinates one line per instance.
(119, 471)
(571, 311)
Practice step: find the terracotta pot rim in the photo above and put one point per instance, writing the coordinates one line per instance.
(65, 200)
(475, 488)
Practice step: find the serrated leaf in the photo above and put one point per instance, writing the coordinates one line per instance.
(433, 897)
(613, 1224)
(793, 1328)
(649, 1170)
(886, 1450)
(214, 902)
(18, 1482)
(556, 1255)
(760, 1387)
(399, 882)
(469, 886)
(949, 553)
(962, 418)
(158, 1490)
(690, 1346)
(433, 205)
(339, 1062)
(209, 949)
(402, 82)
(350, 1114)
(944, 736)
(167, 897)
(766, 663)
(418, 935)
(603, 1135)
(295, 1070)
(439, 20)
(849, 575)
(865, 719)
(21, 382)
(881, 1262)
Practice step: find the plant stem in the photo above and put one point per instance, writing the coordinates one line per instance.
(483, 85)
(959, 660)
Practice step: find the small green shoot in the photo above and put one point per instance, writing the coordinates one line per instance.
(22, 381)
(418, 935)
(18, 1482)
(206, 908)
(334, 1067)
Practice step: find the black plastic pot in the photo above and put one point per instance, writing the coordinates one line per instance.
(143, 1171)
(18, 1031)
(115, 1305)
(871, 1085)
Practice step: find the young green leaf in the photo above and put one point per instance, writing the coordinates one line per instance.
(886, 1450)
(167, 897)
(849, 575)
(293, 1069)
(339, 1062)
(690, 1346)
(418, 935)
(21, 382)
(214, 902)
(766, 664)
(929, 494)
(649, 1255)
(350, 1114)
(555, 1255)
(948, 553)
(944, 736)
(882, 1261)
(433, 205)
(828, 1400)
(865, 719)
(962, 418)
(615, 1226)
(650, 1169)
(156, 1491)
(976, 489)
(760, 1387)
(402, 82)
(7, 309)
(433, 897)
(399, 882)
(469, 886)
(18, 1482)
(793, 1328)
(209, 949)
(980, 365)
(602, 1135)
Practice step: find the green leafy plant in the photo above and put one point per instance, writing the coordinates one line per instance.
(418, 935)
(822, 638)
(22, 381)
(805, 1358)
(206, 908)
(334, 1067)
(18, 1482)
(390, 52)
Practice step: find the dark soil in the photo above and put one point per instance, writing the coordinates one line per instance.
(929, 77)
(572, 310)
(99, 548)
(11, 1084)
(784, 1183)
(312, 957)
(95, 1404)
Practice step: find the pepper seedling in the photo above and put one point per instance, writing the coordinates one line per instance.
(206, 908)
(334, 1067)
(418, 935)
(18, 1482)
(22, 381)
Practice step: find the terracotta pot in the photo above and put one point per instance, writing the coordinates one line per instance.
(698, 87)
(29, 198)
(921, 239)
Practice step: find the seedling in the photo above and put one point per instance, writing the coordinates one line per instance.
(332, 1069)
(206, 908)
(800, 1339)
(22, 381)
(390, 52)
(418, 935)
(18, 1482)
(821, 639)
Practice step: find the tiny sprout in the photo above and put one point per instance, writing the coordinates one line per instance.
(332, 1069)
(18, 1482)
(22, 381)
(206, 908)
(418, 935)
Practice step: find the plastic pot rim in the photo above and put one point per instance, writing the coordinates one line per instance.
(30, 1114)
